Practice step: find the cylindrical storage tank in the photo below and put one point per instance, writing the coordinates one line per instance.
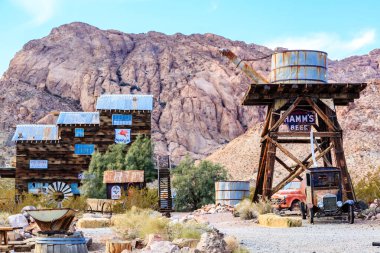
(61, 244)
(299, 66)
(231, 192)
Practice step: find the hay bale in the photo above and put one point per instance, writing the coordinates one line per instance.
(93, 223)
(273, 220)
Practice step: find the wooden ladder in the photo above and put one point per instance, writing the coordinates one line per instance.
(164, 190)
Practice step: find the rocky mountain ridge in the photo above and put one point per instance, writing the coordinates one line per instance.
(197, 92)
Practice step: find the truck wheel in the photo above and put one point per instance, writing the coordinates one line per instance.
(311, 215)
(295, 206)
(303, 210)
(351, 215)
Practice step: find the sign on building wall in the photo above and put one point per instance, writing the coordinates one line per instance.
(38, 164)
(37, 187)
(115, 192)
(123, 136)
(300, 120)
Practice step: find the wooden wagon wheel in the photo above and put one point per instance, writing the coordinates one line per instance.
(59, 192)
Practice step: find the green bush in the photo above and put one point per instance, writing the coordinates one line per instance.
(368, 188)
(139, 156)
(195, 184)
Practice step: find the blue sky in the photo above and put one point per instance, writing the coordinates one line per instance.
(340, 27)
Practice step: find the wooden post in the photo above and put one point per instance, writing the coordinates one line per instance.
(117, 246)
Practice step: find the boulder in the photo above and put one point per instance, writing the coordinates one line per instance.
(212, 242)
(18, 220)
(161, 247)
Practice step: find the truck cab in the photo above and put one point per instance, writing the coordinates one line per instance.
(324, 196)
(290, 196)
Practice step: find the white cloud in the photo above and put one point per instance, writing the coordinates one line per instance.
(40, 10)
(331, 43)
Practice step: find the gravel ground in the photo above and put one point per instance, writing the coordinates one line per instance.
(99, 237)
(322, 237)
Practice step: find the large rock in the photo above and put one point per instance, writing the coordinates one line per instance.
(212, 242)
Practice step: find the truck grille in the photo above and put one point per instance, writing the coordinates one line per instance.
(329, 202)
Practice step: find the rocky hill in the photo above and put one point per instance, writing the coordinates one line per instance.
(197, 92)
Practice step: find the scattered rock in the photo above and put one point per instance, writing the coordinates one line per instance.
(161, 247)
(186, 243)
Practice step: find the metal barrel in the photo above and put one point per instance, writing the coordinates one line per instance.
(299, 66)
(58, 245)
(231, 192)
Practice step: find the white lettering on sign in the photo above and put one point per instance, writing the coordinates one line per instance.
(38, 164)
(300, 120)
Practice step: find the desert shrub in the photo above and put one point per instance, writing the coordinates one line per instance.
(246, 210)
(138, 223)
(190, 230)
(142, 198)
(195, 184)
(263, 206)
(233, 245)
(4, 219)
(368, 188)
(77, 203)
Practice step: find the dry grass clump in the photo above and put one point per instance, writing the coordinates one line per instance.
(273, 220)
(4, 218)
(78, 203)
(138, 223)
(141, 198)
(93, 223)
(246, 210)
(263, 206)
(188, 230)
(233, 245)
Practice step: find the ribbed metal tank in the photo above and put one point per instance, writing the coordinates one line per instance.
(231, 192)
(299, 66)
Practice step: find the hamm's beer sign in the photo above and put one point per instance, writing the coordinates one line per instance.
(300, 120)
(123, 136)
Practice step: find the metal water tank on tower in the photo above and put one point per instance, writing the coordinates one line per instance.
(299, 66)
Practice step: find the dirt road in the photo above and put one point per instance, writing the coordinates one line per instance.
(322, 237)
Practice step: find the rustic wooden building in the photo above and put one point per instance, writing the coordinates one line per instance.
(119, 181)
(60, 153)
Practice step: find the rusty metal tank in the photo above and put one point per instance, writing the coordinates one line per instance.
(299, 66)
(231, 192)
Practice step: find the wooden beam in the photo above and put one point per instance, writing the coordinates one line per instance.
(286, 166)
(297, 172)
(306, 134)
(287, 153)
(320, 151)
(321, 114)
(286, 114)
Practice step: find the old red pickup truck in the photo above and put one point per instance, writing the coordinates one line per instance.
(290, 196)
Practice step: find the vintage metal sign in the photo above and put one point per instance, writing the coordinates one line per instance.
(38, 164)
(123, 136)
(300, 120)
(115, 192)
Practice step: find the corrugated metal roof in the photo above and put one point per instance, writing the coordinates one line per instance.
(72, 118)
(123, 176)
(35, 133)
(125, 102)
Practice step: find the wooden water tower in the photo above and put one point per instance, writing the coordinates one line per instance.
(298, 96)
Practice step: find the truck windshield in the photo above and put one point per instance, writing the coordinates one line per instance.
(325, 179)
(292, 185)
